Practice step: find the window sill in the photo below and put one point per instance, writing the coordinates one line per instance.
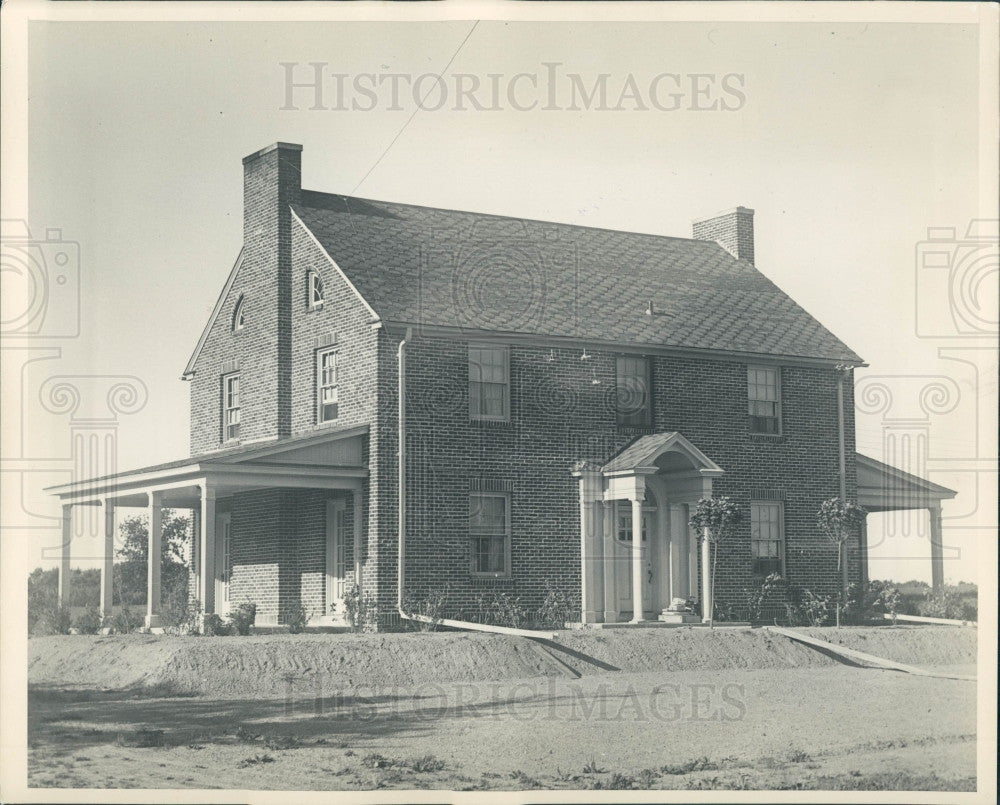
(489, 578)
(488, 421)
(313, 308)
(767, 437)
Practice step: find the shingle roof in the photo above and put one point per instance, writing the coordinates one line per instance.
(484, 272)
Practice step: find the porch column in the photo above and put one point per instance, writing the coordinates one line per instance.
(678, 545)
(610, 571)
(206, 579)
(637, 568)
(358, 513)
(108, 559)
(706, 578)
(692, 544)
(591, 488)
(863, 550)
(64, 555)
(937, 548)
(153, 560)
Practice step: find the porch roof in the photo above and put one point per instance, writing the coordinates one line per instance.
(645, 456)
(329, 459)
(882, 487)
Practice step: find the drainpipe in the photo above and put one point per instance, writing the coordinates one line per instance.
(841, 371)
(401, 522)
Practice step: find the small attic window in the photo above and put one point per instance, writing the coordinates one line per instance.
(239, 315)
(315, 290)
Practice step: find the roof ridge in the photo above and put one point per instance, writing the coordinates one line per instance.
(527, 220)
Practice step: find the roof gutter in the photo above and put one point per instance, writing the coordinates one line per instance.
(401, 522)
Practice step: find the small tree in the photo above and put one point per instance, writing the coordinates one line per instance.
(838, 519)
(716, 519)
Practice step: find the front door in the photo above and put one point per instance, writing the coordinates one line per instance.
(623, 557)
(224, 562)
(336, 558)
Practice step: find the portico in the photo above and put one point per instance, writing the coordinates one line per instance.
(638, 553)
(330, 461)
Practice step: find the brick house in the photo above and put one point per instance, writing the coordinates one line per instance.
(568, 394)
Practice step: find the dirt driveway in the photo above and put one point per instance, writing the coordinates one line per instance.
(823, 727)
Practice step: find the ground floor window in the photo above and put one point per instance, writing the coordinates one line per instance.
(767, 538)
(489, 529)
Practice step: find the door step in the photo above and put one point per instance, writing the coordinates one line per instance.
(668, 616)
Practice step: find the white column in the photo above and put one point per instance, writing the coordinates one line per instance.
(637, 568)
(153, 560)
(358, 514)
(706, 578)
(64, 555)
(108, 559)
(591, 484)
(678, 547)
(206, 580)
(864, 551)
(610, 571)
(692, 544)
(937, 549)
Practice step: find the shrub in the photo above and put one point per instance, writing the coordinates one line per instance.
(500, 609)
(361, 609)
(431, 606)
(815, 608)
(89, 622)
(557, 608)
(756, 597)
(179, 611)
(213, 626)
(242, 618)
(296, 617)
(949, 603)
(869, 601)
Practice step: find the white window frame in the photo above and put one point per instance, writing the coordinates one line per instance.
(776, 401)
(315, 292)
(647, 379)
(504, 416)
(780, 508)
(239, 315)
(505, 536)
(228, 409)
(321, 386)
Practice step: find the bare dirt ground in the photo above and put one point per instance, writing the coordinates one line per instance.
(685, 709)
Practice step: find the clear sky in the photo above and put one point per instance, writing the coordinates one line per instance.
(850, 141)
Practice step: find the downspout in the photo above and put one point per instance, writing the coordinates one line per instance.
(401, 521)
(841, 371)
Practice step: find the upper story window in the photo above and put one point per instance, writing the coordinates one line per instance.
(231, 407)
(633, 392)
(327, 392)
(489, 382)
(764, 399)
(239, 315)
(489, 530)
(314, 290)
(767, 538)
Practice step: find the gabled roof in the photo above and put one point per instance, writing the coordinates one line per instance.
(882, 487)
(189, 369)
(641, 455)
(477, 272)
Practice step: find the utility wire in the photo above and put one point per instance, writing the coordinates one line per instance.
(414, 114)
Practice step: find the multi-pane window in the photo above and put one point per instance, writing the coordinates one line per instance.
(489, 529)
(624, 522)
(489, 382)
(766, 538)
(315, 290)
(763, 399)
(327, 394)
(231, 407)
(633, 392)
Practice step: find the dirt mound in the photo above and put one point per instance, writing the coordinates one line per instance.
(268, 666)
(916, 645)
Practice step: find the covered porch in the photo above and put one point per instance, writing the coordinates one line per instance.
(884, 488)
(329, 463)
(639, 557)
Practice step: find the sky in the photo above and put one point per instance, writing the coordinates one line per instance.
(849, 140)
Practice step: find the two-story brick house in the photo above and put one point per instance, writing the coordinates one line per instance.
(568, 394)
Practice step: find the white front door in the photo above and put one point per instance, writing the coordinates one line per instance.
(223, 562)
(623, 556)
(336, 558)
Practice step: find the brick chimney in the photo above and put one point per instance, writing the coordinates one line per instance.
(732, 229)
(272, 182)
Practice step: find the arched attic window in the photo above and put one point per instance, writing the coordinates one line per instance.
(239, 315)
(314, 290)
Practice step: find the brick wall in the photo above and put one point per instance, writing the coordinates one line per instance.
(558, 416)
